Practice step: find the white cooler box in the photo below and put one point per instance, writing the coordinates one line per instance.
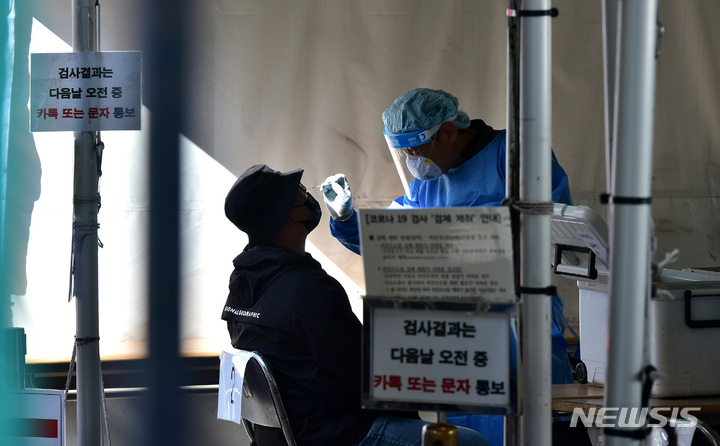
(683, 316)
(683, 330)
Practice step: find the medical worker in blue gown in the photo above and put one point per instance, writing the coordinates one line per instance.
(455, 162)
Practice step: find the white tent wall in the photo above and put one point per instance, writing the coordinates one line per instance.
(303, 84)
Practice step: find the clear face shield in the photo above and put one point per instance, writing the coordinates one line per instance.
(413, 165)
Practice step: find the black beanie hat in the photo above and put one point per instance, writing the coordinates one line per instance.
(260, 200)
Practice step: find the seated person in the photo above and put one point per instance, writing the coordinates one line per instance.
(283, 305)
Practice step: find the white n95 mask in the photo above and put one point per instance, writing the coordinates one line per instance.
(419, 167)
(423, 168)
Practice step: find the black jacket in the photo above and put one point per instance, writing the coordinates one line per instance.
(286, 307)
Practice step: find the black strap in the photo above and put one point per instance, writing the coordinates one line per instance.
(615, 199)
(530, 207)
(549, 291)
(647, 376)
(552, 12)
(86, 340)
(77, 199)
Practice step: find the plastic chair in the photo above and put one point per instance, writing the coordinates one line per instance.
(262, 410)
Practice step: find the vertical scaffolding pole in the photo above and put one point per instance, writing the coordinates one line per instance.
(512, 158)
(165, 28)
(630, 211)
(535, 187)
(609, 20)
(86, 202)
(512, 168)
(7, 40)
(7, 45)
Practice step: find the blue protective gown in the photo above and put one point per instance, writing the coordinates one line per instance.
(478, 181)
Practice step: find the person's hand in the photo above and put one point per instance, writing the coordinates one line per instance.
(337, 196)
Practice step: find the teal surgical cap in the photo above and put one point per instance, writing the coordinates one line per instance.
(422, 109)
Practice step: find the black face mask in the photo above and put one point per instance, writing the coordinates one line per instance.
(314, 206)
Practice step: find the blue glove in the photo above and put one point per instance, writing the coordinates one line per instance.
(337, 196)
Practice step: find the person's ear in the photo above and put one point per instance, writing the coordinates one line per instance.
(447, 132)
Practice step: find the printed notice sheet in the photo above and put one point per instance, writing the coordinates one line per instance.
(438, 254)
(85, 91)
(440, 357)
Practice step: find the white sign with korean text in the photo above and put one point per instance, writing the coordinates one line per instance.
(438, 254)
(440, 357)
(38, 417)
(85, 91)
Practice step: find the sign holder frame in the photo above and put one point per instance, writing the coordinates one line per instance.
(441, 308)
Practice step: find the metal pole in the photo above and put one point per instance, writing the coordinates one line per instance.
(610, 20)
(165, 28)
(8, 45)
(512, 159)
(535, 186)
(630, 210)
(7, 40)
(512, 170)
(85, 245)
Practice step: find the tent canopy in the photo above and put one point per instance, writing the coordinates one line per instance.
(302, 84)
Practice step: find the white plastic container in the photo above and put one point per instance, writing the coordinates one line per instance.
(684, 328)
(683, 332)
(594, 311)
(683, 324)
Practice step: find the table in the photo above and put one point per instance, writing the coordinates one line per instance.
(567, 397)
